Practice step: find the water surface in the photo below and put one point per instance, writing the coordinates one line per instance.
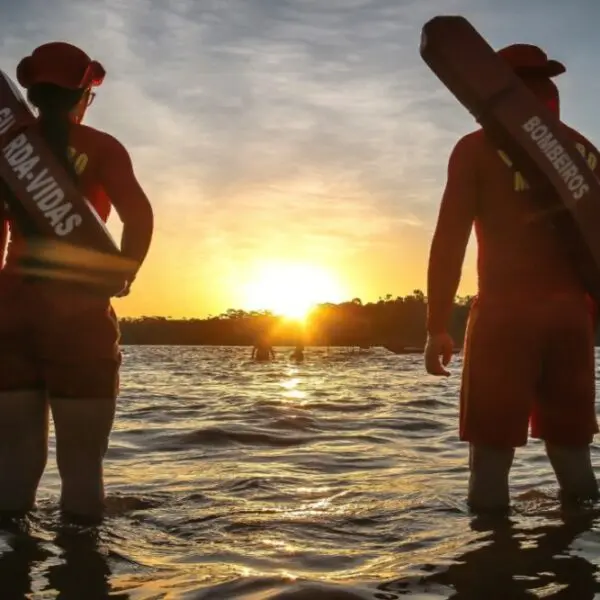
(340, 478)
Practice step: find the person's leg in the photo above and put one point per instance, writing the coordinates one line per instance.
(497, 390)
(23, 407)
(565, 416)
(572, 466)
(23, 448)
(82, 373)
(489, 468)
(83, 427)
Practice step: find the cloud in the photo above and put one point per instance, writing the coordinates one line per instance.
(305, 126)
(220, 101)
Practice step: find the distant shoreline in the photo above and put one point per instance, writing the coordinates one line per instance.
(397, 324)
(408, 350)
(291, 346)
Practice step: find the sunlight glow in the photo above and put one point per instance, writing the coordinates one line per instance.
(291, 289)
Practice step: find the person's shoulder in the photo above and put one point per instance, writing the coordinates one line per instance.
(470, 145)
(576, 135)
(472, 137)
(107, 141)
(473, 141)
(587, 148)
(571, 130)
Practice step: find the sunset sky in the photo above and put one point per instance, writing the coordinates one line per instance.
(282, 137)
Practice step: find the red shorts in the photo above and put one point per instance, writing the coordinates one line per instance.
(529, 363)
(64, 343)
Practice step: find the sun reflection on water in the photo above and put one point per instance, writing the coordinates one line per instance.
(292, 392)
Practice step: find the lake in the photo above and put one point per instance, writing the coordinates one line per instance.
(340, 478)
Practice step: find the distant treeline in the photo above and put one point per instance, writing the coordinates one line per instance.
(395, 321)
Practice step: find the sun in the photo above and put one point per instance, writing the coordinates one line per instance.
(291, 289)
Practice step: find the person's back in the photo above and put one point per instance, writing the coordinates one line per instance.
(263, 352)
(103, 169)
(520, 252)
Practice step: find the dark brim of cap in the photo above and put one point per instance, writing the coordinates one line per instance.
(552, 68)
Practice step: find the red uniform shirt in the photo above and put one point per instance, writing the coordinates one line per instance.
(106, 178)
(519, 253)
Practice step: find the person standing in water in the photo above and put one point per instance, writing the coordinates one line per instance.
(298, 353)
(262, 351)
(529, 344)
(59, 341)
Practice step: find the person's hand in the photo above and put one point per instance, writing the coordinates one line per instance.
(438, 345)
(124, 291)
(116, 288)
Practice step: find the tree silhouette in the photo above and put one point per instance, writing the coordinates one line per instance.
(396, 322)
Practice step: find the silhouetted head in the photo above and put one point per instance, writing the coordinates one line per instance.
(536, 70)
(59, 78)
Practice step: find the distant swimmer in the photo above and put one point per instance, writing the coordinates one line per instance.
(262, 352)
(59, 339)
(529, 344)
(298, 353)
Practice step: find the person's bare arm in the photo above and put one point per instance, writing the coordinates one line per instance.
(131, 204)
(451, 236)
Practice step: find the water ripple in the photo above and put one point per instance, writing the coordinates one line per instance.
(341, 478)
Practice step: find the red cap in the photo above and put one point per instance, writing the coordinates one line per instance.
(526, 59)
(62, 64)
